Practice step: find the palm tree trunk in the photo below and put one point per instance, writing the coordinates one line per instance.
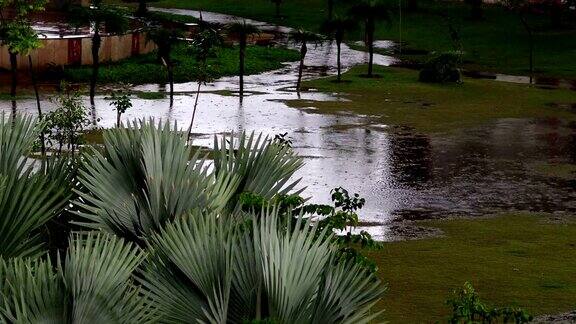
(118, 115)
(370, 40)
(242, 54)
(526, 25)
(96, 42)
(338, 44)
(14, 73)
(36, 93)
(303, 51)
(171, 80)
(194, 112)
(142, 9)
(277, 2)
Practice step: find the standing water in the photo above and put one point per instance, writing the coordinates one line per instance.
(403, 175)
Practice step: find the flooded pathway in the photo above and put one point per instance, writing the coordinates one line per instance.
(403, 175)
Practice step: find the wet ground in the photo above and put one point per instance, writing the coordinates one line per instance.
(402, 174)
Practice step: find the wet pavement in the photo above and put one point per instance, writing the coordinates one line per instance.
(403, 175)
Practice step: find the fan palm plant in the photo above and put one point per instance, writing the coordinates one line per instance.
(241, 31)
(302, 38)
(211, 269)
(28, 198)
(91, 284)
(146, 177)
(370, 12)
(338, 27)
(263, 167)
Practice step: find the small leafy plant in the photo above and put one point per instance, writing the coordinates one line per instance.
(121, 101)
(468, 308)
(65, 125)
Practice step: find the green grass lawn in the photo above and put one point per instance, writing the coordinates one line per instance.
(146, 69)
(497, 43)
(397, 98)
(514, 259)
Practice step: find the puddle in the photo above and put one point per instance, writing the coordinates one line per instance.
(403, 176)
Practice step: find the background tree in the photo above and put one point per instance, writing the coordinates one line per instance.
(114, 20)
(203, 47)
(165, 39)
(241, 31)
(476, 10)
(141, 8)
(369, 12)
(121, 101)
(337, 28)
(17, 34)
(302, 37)
(277, 4)
(523, 9)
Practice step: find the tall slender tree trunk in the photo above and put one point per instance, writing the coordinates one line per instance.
(476, 11)
(242, 55)
(277, 2)
(370, 26)
(338, 50)
(194, 111)
(14, 74)
(531, 45)
(303, 51)
(170, 67)
(330, 9)
(142, 8)
(96, 42)
(37, 94)
(412, 5)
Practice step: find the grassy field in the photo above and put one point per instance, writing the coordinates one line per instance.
(497, 43)
(397, 98)
(146, 69)
(506, 258)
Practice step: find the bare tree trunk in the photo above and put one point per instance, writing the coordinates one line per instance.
(370, 40)
(277, 2)
(476, 11)
(330, 9)
(14, 74)
(412, 5)
(118, 115)
(142, 8)
(303, 51)
(338, 44)
(193, 112)
(96, 42)
(242, 54)
(36, 93)
(171, 80)
(531, 41)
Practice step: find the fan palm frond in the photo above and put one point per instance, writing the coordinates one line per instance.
(146, 177)
(92, 284)
(263, 167)
(28, 199)
(210, 268)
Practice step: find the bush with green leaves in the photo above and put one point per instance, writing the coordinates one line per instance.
(441, 69)
(65, 125)
(468, 308)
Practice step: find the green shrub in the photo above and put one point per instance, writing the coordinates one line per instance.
(440, 69)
